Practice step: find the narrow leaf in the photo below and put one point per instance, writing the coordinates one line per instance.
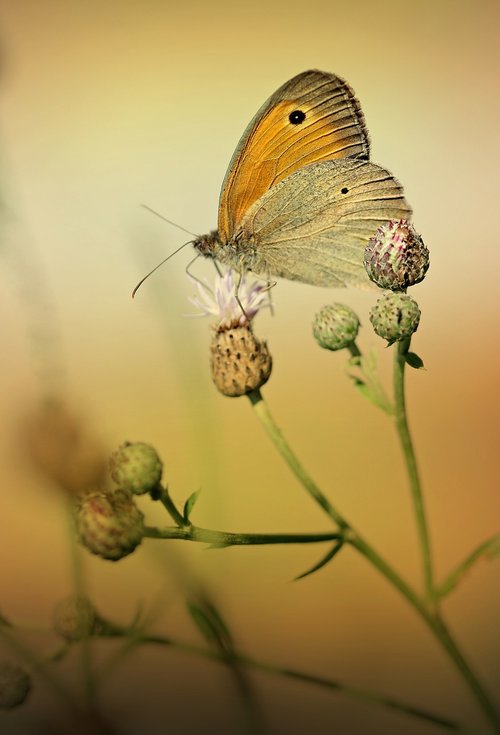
(4, 621)
(489, 549)
(210, 623)
(189, 505)
(328, 557)
(413, 360)
(368, 383)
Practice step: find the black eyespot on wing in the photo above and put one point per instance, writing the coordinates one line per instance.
(344, 190)
(296, 117)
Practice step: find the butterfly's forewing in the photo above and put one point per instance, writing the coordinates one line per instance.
(272, 147)
(314, 226)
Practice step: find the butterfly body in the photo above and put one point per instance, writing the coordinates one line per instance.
(300, 199)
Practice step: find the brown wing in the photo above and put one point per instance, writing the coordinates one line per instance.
(313, 117)
(314, 226)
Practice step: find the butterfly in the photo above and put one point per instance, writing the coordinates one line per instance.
(301, 199)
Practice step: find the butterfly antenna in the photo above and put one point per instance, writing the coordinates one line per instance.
(153, 211)
(158, 266)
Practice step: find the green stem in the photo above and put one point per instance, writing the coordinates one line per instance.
(354, 692)
(354, 349)
(411, 465)
(453, 579)
(436, 624)
(79, 587)
(431, 618)
(161, 493)
(224, 538)
(40, 667)
(288, 455)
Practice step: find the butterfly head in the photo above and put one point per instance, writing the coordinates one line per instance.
(208, 245)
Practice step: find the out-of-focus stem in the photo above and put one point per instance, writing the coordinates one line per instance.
(430, 616)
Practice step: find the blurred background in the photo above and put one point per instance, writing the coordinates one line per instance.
(105, 106)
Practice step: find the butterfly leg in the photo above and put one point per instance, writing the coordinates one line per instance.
(216, 266)
(240, 278)
(270, 285)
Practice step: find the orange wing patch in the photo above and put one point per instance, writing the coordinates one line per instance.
(273, 147)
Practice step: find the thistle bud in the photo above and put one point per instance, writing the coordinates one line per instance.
(15, 685)
(335, 326)
(396, 256)
(75, 618)
(239, 361)
(395, 316)
(136, 467)
(109, 523)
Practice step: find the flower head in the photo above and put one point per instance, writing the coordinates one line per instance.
(109, 523)
(234, 300)
(136, 466)
(239, 361)
(335, 326)
(395, 316)
(75, 618)
(396, 256)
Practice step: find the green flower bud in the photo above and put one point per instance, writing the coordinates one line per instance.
(136, 467)
(109, 523)
(335, 326)
(15, 685)
(396, 256)
(395, 316)
(75, 618)
(239, 361)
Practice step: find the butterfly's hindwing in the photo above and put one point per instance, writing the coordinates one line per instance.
(314, 225)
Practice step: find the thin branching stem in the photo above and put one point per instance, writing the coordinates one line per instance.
(480, 552)
(324, 682)
(42, 668)
(430, 616)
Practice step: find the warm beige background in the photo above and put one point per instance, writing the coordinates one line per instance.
(108, 105)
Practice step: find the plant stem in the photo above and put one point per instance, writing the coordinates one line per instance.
(161, 493)
(224, 538)
(431, 617)
(354, 692)
(288, 455)
(453, 579)
(39, 666)
(411, 465)
(354, 349)
(79, 587)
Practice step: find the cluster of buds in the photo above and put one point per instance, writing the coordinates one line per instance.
(239, 361)
(108, 521)
(395, 259)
